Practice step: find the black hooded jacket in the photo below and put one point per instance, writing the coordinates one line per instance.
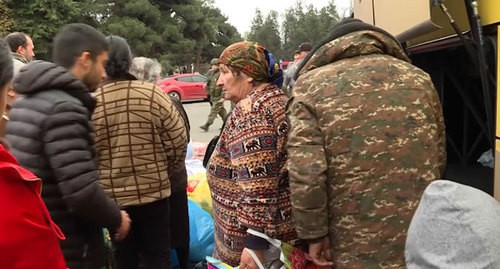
(51, 134)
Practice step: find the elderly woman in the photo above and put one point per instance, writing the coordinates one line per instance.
(246, 172)
(141, 142)
(147, 69)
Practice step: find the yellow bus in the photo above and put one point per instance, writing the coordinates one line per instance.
(456, 42)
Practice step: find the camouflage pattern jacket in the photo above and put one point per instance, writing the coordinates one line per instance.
(214, 91)
(367, 137)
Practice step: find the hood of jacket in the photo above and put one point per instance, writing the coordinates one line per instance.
(454, 226)
(351, 45)
(41, 76)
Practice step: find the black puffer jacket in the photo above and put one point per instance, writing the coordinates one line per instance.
(51, 134)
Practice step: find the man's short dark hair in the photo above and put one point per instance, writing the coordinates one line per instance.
(6, 64)
(16, 39)
(74, 39)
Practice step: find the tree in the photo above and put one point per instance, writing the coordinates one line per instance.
(207, 27)
(267, 32)
(312, 25)
(6, 21)
(93, 12)
(137, 22)
(224, 35)
(176, 32)
(41, 19)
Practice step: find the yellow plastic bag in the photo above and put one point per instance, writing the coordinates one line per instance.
(199, 192)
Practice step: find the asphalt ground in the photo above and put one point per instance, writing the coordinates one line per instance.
(198, 114)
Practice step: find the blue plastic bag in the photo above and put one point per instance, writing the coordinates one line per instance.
(201, 233)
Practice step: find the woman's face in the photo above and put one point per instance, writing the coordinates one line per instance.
(234, 87)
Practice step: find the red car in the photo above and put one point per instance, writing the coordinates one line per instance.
(185, 87)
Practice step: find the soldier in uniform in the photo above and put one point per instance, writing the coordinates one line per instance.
(215, 95)
(367, 136)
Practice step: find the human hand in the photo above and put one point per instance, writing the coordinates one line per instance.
(246, 260)
(319, 253)
(124, 228)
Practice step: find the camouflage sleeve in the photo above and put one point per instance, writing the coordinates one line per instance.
(307, 167)
(441, 139)
(208, 75)
(215, 91)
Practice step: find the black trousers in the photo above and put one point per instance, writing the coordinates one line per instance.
(149, 237)
(179, 226)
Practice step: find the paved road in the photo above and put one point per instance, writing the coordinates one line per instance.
(198, 114)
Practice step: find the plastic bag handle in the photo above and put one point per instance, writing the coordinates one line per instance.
(255, 258)
(275, 242)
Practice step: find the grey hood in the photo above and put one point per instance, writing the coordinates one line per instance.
(455, 226)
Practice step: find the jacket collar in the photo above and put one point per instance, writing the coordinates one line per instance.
(19, 57)
(352, 45)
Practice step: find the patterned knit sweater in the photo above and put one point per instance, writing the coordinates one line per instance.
(247, 174)
(140, 139)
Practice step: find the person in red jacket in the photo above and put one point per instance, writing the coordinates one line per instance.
(29, 238)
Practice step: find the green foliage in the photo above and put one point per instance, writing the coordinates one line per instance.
(176, 32)
(6, 21)
(41, 19)
(138, 22)
(299, 25)
(266, 32)
(306, 24)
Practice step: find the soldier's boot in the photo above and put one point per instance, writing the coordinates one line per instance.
(204, 127)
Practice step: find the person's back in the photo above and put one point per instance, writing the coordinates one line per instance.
(375, 139)
(153, 121)
(51, 135)
(141, 141)
(146, 69)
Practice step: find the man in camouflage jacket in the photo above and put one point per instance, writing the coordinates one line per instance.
(215, 95)
(367, 137)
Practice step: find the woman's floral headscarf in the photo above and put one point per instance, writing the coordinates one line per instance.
(254, 60)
